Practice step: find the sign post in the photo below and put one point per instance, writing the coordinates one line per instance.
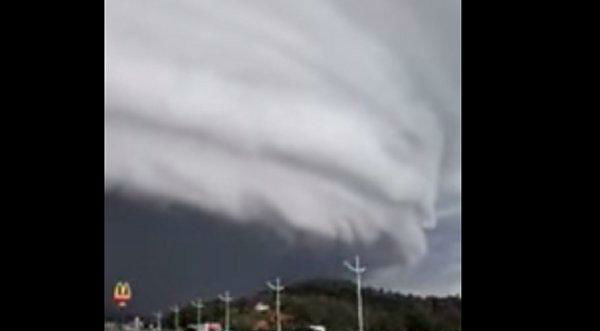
(121, 296)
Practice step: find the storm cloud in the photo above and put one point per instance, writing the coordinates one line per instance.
(332, 120)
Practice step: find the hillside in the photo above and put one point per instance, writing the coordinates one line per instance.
(332, 303)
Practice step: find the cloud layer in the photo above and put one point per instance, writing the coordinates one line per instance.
(300, 114)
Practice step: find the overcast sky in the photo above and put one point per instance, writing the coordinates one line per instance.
(250, 139)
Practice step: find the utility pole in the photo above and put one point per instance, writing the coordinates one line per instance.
(122, 313)
(358, 270)
(277, 288)
(198, 304)
(175, 310)
(158, 320)
(227, 299)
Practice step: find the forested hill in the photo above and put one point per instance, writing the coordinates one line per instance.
(332, 303)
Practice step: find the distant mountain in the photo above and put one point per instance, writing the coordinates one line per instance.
(332, 303)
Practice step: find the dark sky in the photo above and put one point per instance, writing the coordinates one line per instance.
(172, 254)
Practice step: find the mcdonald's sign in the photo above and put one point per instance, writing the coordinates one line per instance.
(122, 294)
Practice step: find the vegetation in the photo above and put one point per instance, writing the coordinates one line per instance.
(332, 303)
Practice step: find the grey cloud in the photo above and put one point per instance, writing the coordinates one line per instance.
(335, 119)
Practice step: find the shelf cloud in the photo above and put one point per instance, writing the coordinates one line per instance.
(340, 119)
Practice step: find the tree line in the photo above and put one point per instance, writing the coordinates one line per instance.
(332, 303)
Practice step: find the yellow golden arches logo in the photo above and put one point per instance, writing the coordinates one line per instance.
(122, 293)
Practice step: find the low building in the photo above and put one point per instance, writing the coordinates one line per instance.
(261, 307)
(110, 326)
(135, 325)
(212, 326)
